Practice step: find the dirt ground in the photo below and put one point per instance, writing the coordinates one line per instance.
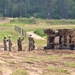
(38, 62)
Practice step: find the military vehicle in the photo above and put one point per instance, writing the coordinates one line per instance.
(60, 38)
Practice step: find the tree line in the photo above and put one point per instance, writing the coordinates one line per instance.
(50, 9)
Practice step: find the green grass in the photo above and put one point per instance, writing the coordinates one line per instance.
(29, 25)
(69, 64)
(20, 72)
(37, 25)
(7, 32)
(40, 32)
(48, 58)
(56, 69)
(44, 21)
(44, 74)
(23, 21)
(62, 22)
(40, 42)
(6, 25)
(68, 55)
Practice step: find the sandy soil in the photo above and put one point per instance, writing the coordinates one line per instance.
(35, 62)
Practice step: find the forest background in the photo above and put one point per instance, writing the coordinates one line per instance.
(46, 9)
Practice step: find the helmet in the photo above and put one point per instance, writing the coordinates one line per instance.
(9, 35)
(19, 36)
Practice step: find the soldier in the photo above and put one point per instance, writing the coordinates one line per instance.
(9, 43)
(31, 43)
(56, 40)
(19, 42)
(5, 43)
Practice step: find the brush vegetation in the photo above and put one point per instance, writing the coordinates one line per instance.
(31, 24)
(20, 72)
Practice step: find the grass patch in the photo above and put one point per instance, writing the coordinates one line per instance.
(6, 25)
(69, 64)
(40, 32)
(27, 24)
(44, 74)
(34, 59)
(51, 58)
(20, 72)
(68, 55)
(23, 20)
(55, 69)
(7, 32)
(62, 21)
(40, 42)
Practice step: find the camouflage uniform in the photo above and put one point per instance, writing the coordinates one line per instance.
(19, 42)
(10, 43)
(5, 43)
(31, 43)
